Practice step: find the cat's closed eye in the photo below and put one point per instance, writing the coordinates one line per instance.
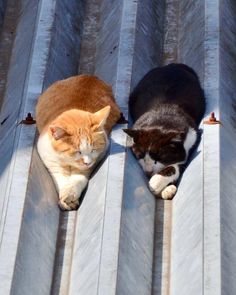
(162, 152)
(172, 146)
(154, 155)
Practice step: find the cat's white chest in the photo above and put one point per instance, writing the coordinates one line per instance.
(45, 149)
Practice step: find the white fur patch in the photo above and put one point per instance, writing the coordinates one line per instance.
(69, 182)
(190, 140)
(149, 165)
(85, 146)
(158, 182)
(69, 195)
(88, 154)
(169, 192)
(69, 185)
(46, 151)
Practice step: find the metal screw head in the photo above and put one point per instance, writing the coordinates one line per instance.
(212, 120)
(29, 120)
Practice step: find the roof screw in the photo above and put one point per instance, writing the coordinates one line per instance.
(212, 117)
(122, 119)
(29, 120)
(212, 120)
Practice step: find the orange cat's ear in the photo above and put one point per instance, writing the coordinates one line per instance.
(57, 132)
(100, 117)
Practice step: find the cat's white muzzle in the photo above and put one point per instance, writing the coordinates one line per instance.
(150, 166)
(84, 166)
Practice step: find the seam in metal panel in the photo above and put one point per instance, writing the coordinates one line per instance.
(211, 241)
(13, 159)
(117, 85)
(17, 131)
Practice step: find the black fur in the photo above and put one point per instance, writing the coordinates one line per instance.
(164, 104)
(170, 91)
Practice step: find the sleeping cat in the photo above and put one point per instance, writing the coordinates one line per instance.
(74, 118)
(166, 106)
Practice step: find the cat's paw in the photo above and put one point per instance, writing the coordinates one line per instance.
(69, 198)
(169, 192)
(156, 184)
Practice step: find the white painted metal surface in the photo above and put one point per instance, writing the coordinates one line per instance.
(211, 146)
(25, 82)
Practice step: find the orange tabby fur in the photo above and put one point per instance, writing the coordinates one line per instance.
(89, 130)
(74, 117)
(87, 93)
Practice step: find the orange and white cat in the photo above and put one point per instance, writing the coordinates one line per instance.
(74, 118)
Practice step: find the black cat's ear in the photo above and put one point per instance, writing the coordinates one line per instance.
(132, 136)
(131, 132)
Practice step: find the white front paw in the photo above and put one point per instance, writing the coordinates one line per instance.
(69, 198)
(169, 192)
(156, 184)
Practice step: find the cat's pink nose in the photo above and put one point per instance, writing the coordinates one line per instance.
(87, 161)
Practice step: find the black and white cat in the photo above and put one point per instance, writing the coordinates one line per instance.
(166, 106)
